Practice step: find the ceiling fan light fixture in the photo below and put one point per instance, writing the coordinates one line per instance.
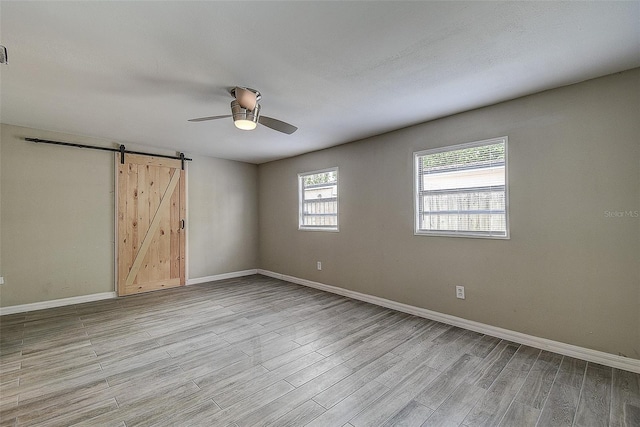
(243, 118)
(245, 124)
(245, 111)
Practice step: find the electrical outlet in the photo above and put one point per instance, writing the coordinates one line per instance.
(460, 292)
(319, 265)
(1, 280)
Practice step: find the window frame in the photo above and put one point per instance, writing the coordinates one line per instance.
(463, 233)
(301, 189)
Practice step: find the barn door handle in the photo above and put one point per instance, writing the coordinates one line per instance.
(182, 224)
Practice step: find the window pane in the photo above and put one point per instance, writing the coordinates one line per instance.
(462, 190)
(319, 200)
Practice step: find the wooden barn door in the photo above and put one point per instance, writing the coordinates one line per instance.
(150, 232)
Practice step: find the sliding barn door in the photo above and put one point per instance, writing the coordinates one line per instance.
(150, 233)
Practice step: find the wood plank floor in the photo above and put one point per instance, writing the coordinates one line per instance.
(256, 351)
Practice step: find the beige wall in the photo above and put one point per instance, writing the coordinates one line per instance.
(223, 216)
(569, 273)
(57, 217)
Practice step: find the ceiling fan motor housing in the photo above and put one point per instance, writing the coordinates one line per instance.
(242, 114)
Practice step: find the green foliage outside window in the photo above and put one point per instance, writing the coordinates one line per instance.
(474, 156)
(321, 178)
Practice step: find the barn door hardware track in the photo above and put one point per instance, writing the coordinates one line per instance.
(122, 150)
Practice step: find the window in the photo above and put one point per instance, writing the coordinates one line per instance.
(318, 200)
(462, 190)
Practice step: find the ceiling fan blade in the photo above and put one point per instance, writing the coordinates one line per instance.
(202, 119)
(246, 98)
(278, 125)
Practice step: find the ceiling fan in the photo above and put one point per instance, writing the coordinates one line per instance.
(245, 111)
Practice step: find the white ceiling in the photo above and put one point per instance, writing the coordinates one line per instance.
(134, 72)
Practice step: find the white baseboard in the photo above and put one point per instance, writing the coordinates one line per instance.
(223, 276)
(108, 295)
(587, 354)
(56, 303)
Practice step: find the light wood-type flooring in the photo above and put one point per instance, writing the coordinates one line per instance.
(257, 351)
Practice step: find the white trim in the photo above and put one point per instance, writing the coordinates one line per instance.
(108, 295)
(595, 356)
(56, 303)
(222, 276)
